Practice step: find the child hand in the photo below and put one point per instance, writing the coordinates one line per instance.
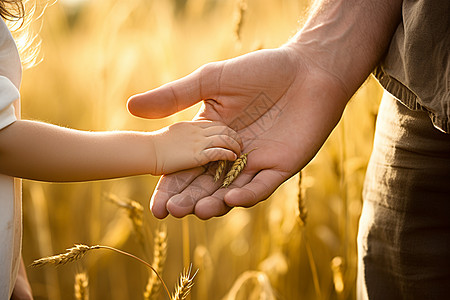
(187, 145)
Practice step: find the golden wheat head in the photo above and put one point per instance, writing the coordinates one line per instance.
(237, 167)
(185, 284)
(72, 254)
(220, 168)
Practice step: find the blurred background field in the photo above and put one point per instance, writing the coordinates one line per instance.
(98, 53)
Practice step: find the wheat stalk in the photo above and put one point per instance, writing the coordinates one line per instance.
(237, 167)
(312, 264)
(302, 210)
(81, 286)
(302, 217)
(159, 258)
(79, 250)
(185, 284)
(220, 168)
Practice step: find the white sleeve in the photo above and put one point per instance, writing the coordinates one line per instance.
(8, 94)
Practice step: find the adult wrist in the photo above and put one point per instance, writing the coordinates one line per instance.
(316, 71)
(346, 39)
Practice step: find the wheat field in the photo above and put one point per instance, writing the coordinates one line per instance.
(98, 53)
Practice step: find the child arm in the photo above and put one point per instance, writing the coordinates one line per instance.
(42, 151)
(22, 288)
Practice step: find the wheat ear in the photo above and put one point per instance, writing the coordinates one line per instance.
(79, 250)
(220, 168)
(81, 286)
(135, 213)
(72, 254)
(236, 169)
(185, 284)
(159, 258)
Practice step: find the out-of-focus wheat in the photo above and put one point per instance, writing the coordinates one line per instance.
(81, 286)
(159, 258)
(240, 14)
(338, 277)
(302, 210)
(251, 285)
(135, 212)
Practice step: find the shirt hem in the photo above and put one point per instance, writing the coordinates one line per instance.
(409, 98)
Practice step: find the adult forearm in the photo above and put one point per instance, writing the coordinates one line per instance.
(41, 151)
(347, 38)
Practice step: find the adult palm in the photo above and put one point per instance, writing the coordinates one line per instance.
(275, 99)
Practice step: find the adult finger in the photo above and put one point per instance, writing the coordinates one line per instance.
(258, 189)
(184, 203)
(177, 95)
(170, 185)
(214, 154)
(214, 205)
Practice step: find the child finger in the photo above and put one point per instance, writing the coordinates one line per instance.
(213, 154)
(223, 130)
(223, 141)
(207, 123)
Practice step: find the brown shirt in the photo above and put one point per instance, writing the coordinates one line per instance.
(416, 68)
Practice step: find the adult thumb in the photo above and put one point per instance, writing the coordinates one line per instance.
(176, 95)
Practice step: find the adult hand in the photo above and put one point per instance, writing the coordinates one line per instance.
(22, 288)
(283, 102)
(277, 104)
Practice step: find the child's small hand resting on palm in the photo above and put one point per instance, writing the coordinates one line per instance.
(186, 145)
